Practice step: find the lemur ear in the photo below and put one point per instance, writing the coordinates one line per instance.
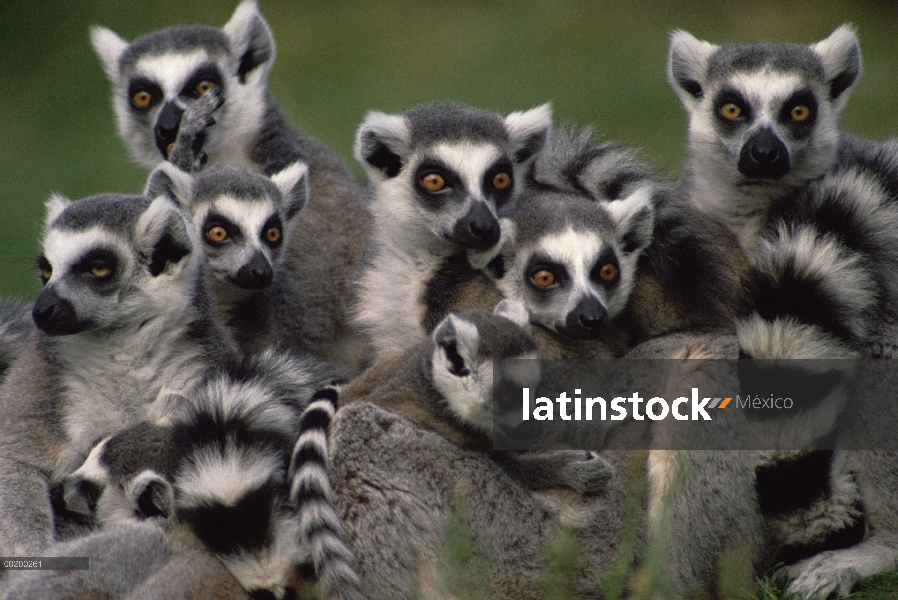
(687, 64)
(514, 311)
(252, 43)
(170, 181)
(109, 47)
(55, 205)
(528, 131)
(634, 219)
(162, 236)
(840, 55)
(456, 343)
(153, 495)
(381, 142)
(293, 183)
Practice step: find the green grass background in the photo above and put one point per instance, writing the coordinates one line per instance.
(599, 63)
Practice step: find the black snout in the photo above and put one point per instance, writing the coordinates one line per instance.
(477, 230)
(55, 315)
(587, 321)
(256, 274)
(764, 156)
(167, 124)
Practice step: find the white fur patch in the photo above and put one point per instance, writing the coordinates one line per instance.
(225, 477)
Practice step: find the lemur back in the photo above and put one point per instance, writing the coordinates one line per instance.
(244, 466)
(158, 78)
(243, 221)
(124, 323)
(441, 176)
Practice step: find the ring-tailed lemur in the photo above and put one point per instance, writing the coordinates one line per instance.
(158, 77)
(813, 209)
(444, 383)
(441, 174)
(244, 466)
(244, 221)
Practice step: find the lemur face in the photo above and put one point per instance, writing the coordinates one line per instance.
(158, 76)
(443, 173)
(764, 112)
(113, 262)
(241, 218)
(574, 260)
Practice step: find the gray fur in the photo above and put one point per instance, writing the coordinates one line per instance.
(397, 484)
(133, 561)
(250, 131)
(16, 330)
(416, 230)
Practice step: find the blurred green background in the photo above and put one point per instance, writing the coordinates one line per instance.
(599, 63)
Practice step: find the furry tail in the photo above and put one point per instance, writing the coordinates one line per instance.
(313, 497)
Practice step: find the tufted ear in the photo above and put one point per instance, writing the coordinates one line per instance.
(528, 132)
(173, 183)
(293, 183)
(109, 47)
(252, 43)
(514, 311)
(381, 143)
(840, 55)
(55, 205)
(634, 218)
(687, 64)
(457, 342)
(162, 236)
(153, 495)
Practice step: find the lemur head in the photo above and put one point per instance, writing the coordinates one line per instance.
(573, 261)
(443, 172)
(114, 262)
(242, 218)
(156, 77)
(125, 477)
(764, 112)
(461, 352)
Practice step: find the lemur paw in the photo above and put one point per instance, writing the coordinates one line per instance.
(187, 151)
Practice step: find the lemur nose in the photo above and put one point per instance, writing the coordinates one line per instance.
(593, 321)
(481, 229)
(763, 153)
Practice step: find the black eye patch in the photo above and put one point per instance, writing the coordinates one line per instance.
(208, 72)
(99, 258)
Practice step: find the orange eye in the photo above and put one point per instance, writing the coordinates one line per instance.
(100, 271)
(47, 273)
(433, 182)
(273, 234)
(204, 86)
(543, 278)
(608, 272)
(142, 99)
(217, 234)
(731, 110)
(501, 181)
(800, 113)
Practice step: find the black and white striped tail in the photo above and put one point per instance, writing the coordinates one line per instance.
(312, 495)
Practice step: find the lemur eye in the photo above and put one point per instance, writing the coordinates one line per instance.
(46, 273)
(731, 110)
(501, 181)
(217, 234)
(100, 271)
(142, 99)
(433, 182)
(273, 234)
(543, 278)
(204, 86)
(800, 113)
(608, 272)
